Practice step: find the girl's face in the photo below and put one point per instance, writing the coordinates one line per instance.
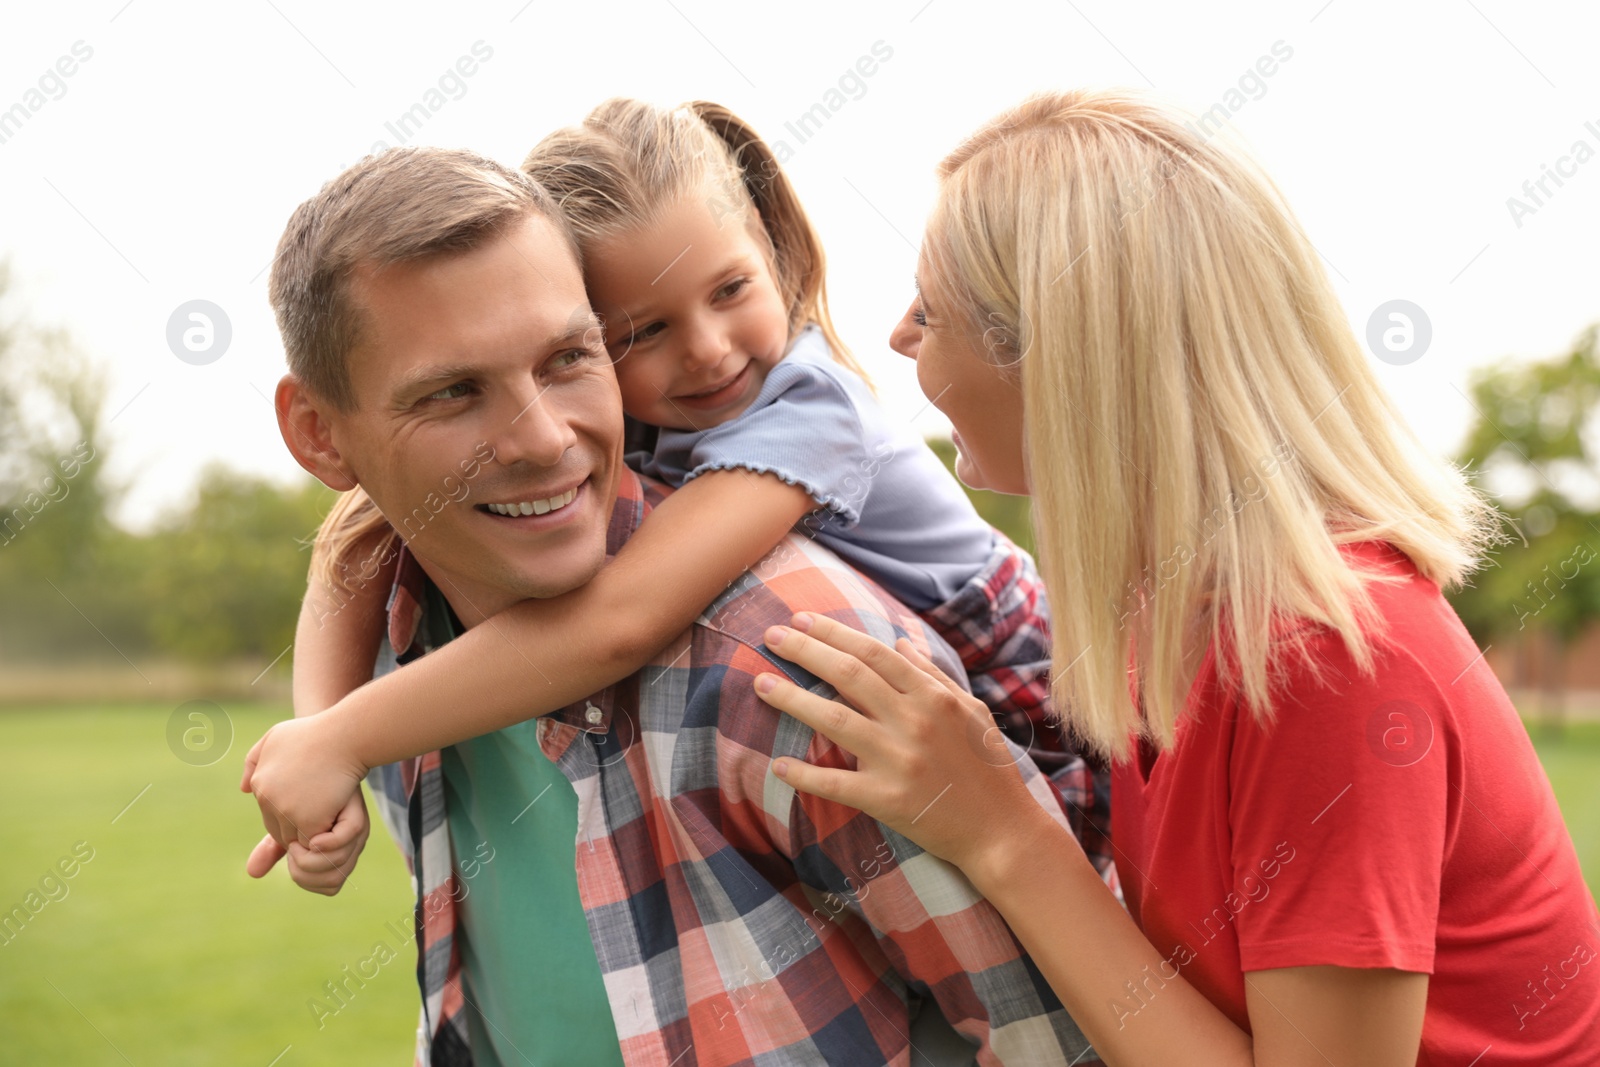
(694, 320)
(982, 401)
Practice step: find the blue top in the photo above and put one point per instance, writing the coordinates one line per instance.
(888, 506)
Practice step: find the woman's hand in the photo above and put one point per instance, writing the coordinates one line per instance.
(932, 764)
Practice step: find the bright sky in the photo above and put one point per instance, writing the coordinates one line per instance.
(162, 168)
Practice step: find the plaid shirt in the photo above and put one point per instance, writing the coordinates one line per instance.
(735, 920)
(998, 623)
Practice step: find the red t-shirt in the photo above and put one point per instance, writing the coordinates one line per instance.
(1395, 820)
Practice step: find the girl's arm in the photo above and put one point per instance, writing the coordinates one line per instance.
(538, 656)
(337, 637)
(533, 658)
(921, 772)
(335, 643)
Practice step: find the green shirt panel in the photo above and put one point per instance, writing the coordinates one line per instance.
(528, 963)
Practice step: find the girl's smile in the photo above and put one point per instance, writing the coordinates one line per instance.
(694, 319)
(726, 392)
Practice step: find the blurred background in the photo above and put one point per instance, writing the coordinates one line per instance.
(153, 529)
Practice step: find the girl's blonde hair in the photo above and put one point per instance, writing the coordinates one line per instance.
(620, 170)
(1202, 429)
(629, 161)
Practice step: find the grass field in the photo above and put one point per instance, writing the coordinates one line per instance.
(1571, 757)
(163, 951)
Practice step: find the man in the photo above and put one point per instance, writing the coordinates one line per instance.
(434, 313)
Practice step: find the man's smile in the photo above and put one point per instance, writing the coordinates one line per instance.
(536, 505)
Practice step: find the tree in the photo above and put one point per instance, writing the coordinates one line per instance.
(1535, 448)
(220, 578)
(224, 576)
(53, 493)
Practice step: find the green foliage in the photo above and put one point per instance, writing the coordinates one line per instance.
(1534, 415)
(224, 578)
(53, 493)
(1534, 447)
(1008, 514)
(219, 578)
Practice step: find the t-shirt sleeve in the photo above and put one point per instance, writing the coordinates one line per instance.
(808, 434)
(1339, 817)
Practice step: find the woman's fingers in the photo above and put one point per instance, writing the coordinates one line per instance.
(848, 788)
(833, 720)
(928, 667)
(889, 665)
(854, 680)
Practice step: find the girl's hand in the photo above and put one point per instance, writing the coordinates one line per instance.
(932, 764)
(324, 864)
(300, 779)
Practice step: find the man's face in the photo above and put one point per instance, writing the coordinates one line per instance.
(483, 388)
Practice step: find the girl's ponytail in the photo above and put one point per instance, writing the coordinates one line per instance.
(799, 266)
(629, 158)
(353, 546)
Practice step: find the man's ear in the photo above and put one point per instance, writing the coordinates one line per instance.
(309, 435)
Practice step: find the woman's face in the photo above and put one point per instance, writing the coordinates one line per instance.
(983, 401)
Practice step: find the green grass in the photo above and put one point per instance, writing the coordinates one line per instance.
(1571, 757)
(164, 951)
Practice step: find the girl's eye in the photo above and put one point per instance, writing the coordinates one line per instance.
(919, 318)
(733, 288)
(646, 333)
(454, 391)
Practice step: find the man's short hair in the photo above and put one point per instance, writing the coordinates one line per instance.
(402, 204)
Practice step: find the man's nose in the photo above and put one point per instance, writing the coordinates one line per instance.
(906, 337)
(539, 432)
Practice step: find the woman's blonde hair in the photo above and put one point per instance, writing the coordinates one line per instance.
(621, 169)
(1202, 430)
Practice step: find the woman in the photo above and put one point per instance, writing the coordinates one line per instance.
(1335, 839)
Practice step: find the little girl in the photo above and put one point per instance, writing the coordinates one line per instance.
(708, 277)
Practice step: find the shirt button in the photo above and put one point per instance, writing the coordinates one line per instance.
(594, 714)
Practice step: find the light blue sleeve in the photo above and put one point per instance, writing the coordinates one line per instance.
(802, 427)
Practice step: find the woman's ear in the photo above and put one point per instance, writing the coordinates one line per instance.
(309, 434)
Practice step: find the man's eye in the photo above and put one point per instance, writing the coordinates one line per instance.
(451, 392)
(568, 359)
(733, 288)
